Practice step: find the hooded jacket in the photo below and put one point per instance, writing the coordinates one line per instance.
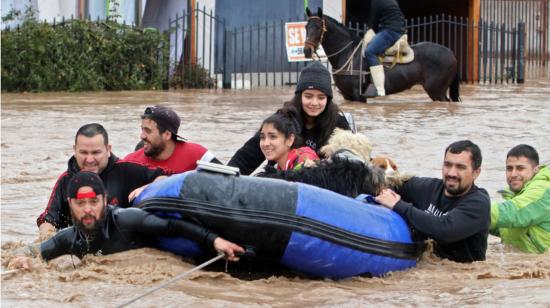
(523, 219)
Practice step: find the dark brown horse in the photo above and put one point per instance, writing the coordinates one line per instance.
(434, 66)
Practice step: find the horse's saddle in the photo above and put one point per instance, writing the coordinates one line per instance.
(400, 52)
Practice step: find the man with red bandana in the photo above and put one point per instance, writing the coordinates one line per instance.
(104, 229)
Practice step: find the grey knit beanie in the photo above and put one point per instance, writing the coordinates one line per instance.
(315, 76)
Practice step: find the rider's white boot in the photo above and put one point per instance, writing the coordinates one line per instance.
(377, 75)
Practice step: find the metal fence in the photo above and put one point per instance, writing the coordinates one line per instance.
(491, 50)
(192, 56)
(535, 15)
(486, 52)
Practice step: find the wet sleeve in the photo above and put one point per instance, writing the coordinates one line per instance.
(58, 245)
(342, 123)
(527, 209)
(150, 224)
(466, 219)
(249, 156)
(52, 213)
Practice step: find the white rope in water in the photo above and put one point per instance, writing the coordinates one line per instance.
(178, 277)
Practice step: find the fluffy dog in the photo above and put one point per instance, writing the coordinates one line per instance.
(344, 140)
(344, 175)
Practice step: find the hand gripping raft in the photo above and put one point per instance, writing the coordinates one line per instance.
(306, 228)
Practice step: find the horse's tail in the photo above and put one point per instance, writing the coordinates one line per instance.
(454, 89)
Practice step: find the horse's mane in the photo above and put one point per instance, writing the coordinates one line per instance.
(356, 39)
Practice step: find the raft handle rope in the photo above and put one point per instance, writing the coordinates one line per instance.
(174, 279)
(248, 253)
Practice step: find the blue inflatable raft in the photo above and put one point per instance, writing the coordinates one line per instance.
(306, 228)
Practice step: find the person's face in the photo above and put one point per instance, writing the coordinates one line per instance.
(519, 170)
(91, 153)
(87, 212)
(273, 143)
(154, 142)
(314, 102)
(458, 173)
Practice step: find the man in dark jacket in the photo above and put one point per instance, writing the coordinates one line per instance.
(103, 229)
(452, 211)
(92, 152)
(386, 19)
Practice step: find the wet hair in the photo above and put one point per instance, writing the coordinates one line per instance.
(325, 123)
(466, 145)
(285, 121)
(526, 151)
(92, 130)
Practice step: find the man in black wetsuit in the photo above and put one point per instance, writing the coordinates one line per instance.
(92, 152)
(452, 211)
(103, 229)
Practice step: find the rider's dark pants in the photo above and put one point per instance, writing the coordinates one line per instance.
(383, 40)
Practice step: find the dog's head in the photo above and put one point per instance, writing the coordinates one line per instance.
(385, 163)
(342, 141)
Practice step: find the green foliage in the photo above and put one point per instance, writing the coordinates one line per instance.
(192, 76)
(80, 55)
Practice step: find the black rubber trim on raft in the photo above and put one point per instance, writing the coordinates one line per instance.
(290, 223)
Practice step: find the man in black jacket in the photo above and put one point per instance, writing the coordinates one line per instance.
(92, 152)
(103, 229)
(452, 211)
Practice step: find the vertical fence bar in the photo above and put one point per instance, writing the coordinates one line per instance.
(521, 52)
(461, 48)
(258, 50)
(203, 63)
(282, 52)
(235, 72)
(502, 50)
(226, 49)
(176, 59)
(266, 62)
(492, 24)
(273, 50)
(242, 57)
(250, 31)
(210, 53)
(514, 54)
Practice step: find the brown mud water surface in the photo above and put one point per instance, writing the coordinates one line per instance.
(37, 138)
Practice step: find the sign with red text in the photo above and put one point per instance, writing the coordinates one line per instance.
(295, 40)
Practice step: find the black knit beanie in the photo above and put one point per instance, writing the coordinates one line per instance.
(315, 76)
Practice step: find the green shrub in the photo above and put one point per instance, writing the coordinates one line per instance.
(80, 55)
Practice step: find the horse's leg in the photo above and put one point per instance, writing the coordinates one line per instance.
(437, 87)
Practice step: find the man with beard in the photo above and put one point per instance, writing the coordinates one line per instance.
(92, 152)
(161, 147)
(454, 211)
(99, 228)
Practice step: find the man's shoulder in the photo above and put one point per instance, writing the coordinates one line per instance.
(137, 156)
(189, 146)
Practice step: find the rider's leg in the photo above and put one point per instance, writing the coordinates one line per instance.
(381, 41)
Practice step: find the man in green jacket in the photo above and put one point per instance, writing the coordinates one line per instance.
(523, 218)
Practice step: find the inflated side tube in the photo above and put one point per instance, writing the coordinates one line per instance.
(306, 228)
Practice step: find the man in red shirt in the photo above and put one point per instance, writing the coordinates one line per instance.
(162, 146)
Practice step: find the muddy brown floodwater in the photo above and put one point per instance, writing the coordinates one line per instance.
(37, 138)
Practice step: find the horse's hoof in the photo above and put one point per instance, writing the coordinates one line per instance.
(371, 92)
